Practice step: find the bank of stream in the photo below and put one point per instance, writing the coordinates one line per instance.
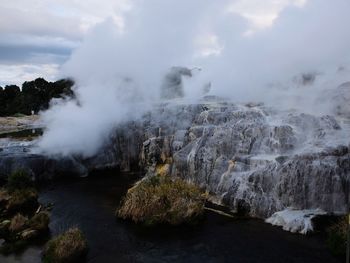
(90, 203)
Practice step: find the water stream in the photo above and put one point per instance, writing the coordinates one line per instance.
(90, 203)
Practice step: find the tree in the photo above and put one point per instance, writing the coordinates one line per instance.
(35, 95)
(11, 99)
(62, 87)
(2, 101)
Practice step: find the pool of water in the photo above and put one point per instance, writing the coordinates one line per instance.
(90, 203)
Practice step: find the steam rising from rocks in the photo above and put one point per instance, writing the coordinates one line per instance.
(119, 71)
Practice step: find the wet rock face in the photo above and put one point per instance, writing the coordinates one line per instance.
(40, 167)
(303, 182)
(122, 151)
(255, 160)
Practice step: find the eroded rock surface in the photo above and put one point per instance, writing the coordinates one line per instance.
(253, 158)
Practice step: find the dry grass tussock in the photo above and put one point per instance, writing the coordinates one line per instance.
(161, 199)
(68, 247)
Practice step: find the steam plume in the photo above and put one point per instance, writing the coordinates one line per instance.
(243, 54)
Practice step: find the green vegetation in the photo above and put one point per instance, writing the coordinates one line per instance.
(337, 235)
(19, 195)
(25, 201)
(161, 199)
(69, 247)
(34, 96)
(20, 217)
(18, 115)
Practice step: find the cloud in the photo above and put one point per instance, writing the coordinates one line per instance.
(60, 18)
(44, 33)
(17, 74)
(261, 14)
(48, 31)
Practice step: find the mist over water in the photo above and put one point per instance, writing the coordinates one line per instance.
(246, 50)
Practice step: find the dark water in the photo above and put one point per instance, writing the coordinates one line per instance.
(90, 204)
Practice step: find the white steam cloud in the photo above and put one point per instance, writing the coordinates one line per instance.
(246, 50)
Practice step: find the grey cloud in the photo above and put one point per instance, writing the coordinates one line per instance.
(33, 36)
(33, 54)
(37, 36)
(16, 21)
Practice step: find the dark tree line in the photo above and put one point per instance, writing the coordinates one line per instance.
(34, 96)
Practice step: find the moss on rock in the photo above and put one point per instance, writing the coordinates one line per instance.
(161, 199)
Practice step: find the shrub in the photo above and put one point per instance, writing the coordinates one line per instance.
(159, 199)
(68, 247)
(25, 201)
(19, 180)
(18, 223)
(337, 235)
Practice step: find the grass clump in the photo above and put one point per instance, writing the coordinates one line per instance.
(19, 195)
(337, 235)
(68, 247)
(25, 200)
(161, 199)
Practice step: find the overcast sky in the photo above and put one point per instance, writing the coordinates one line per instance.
(38, 36)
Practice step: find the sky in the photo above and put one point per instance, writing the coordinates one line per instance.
(38, 36)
